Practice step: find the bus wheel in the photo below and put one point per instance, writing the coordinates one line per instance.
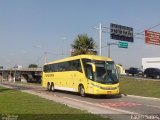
(82, 91)
(48, 86)
(52, 87)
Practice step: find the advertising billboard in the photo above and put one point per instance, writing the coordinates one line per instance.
(152, 37)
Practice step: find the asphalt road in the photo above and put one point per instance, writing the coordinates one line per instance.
(115, 107)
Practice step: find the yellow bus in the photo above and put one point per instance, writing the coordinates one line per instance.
(85, 74)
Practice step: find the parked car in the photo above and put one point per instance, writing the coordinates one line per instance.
(134, 71)
(152, 72)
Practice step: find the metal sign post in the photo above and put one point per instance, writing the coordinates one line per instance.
(109, 51)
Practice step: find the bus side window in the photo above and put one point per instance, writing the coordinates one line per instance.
(78, 65)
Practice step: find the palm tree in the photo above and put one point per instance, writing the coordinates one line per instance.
(83, 45)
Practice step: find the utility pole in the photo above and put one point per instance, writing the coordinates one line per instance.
(100, 39)
(101, 29)
(109, 49)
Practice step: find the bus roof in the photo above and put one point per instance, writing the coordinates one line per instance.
(92, 57)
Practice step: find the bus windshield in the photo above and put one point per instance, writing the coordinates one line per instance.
(105, 73)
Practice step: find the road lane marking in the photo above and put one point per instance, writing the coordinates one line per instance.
(102, 106)
(121, 104)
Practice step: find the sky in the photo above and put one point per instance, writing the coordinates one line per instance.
(33, 29)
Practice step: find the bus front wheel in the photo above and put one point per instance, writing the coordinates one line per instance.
(82, 91)
(52, 87)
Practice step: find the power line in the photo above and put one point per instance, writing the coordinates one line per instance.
(140, 33)
(153, 26)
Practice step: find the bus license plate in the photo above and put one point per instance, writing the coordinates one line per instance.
(109, 92)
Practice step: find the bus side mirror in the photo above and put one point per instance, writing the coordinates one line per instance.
(93, 66)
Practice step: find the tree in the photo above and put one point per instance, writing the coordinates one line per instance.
(33, 66)
(83, 45)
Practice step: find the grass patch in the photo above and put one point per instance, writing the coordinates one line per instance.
(29, 107)
(145, 88)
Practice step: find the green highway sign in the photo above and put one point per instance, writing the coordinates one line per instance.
(123, 44)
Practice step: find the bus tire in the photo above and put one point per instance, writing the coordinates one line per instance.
(52, 87)
(48, 86)
(82, 91)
